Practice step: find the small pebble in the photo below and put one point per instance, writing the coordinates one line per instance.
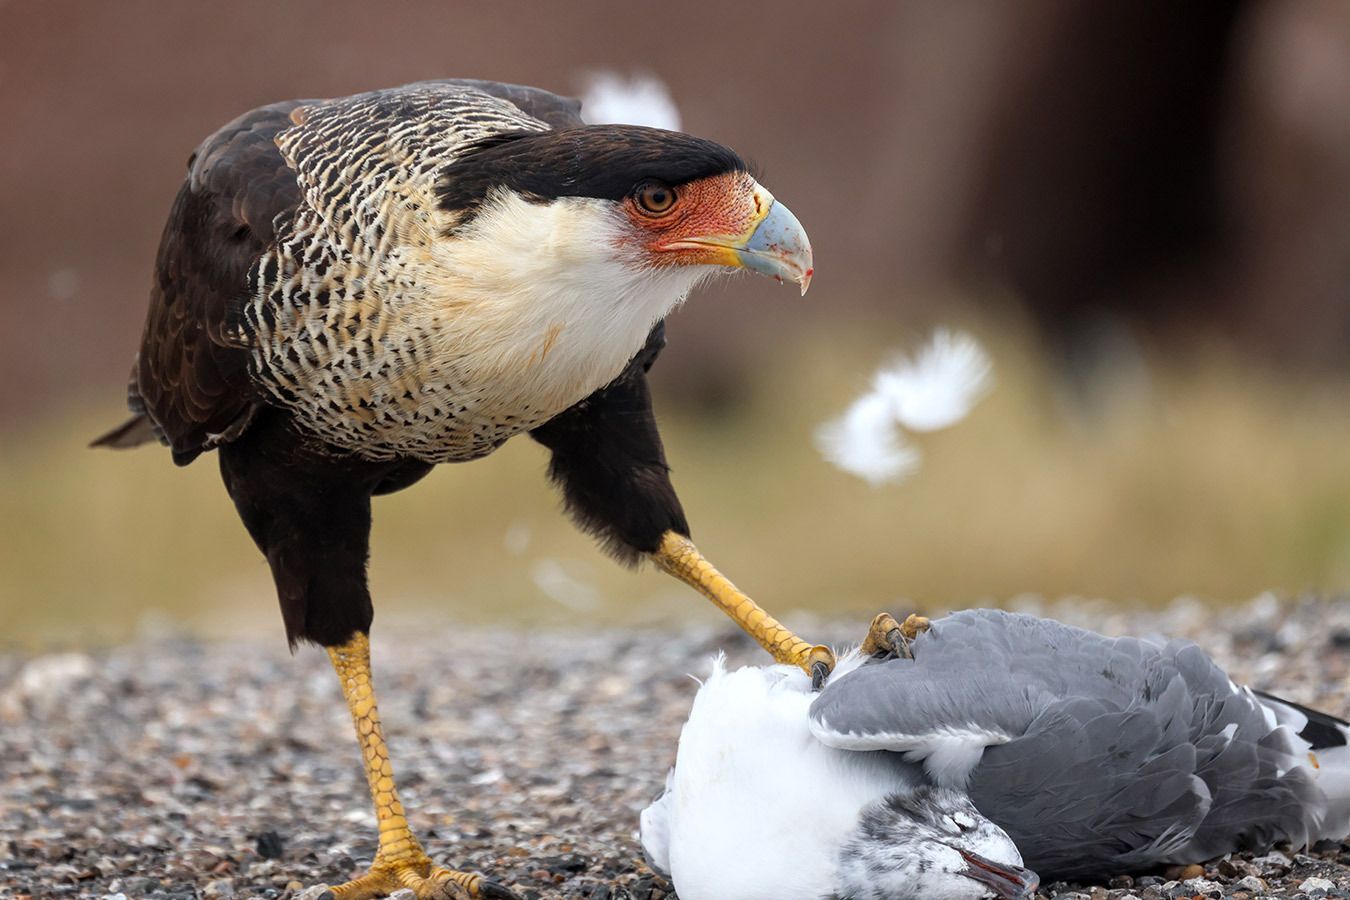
(1202, 887)
(1317, 885)
(270, 845)
(221, 887)
(1272, 861)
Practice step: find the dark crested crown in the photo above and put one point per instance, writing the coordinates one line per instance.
(600, 161)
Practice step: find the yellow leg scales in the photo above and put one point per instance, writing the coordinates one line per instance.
(400, 861)
(678, 556)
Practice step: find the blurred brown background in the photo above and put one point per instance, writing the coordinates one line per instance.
(1143, 208)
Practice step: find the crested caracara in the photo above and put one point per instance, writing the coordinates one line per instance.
(351, 291)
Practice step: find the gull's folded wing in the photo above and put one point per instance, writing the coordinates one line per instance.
(1093, 753)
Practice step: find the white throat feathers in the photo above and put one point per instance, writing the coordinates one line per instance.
(549, 297)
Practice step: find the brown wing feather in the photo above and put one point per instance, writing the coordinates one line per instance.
(191, 375)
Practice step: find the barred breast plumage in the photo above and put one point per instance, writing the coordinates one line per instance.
(344, 322)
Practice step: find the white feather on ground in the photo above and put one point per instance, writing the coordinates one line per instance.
(611, 98)
(935, 389)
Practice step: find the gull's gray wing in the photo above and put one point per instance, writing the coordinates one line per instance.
(978, 678)
(1099, 755)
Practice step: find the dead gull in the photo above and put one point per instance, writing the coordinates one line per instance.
(1093, 755)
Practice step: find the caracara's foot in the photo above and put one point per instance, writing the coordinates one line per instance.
(889, 639)
(400, 862)
(427, 881)
(914, 625)
(818, 663)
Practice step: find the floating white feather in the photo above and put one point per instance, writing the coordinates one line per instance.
(611, 98)
(867, 442)
(941, 385)
(935, 389)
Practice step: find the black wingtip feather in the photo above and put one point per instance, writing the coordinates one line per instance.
(1322, 731)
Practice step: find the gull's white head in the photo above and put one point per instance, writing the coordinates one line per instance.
(758, 809)
(930, 844)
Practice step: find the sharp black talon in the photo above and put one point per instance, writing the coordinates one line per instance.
(491, 890)
(899, 644)
(819, 672)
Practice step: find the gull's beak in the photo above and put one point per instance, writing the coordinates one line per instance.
(1007, 882)
(773, 243)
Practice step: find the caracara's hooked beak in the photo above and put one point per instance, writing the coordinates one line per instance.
(768, 240)
(777, 245)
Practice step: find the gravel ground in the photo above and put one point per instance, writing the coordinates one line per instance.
(177, 768)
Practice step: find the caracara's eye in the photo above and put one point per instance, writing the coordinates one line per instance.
(655, 198)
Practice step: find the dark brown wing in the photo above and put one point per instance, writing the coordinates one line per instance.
(191, 375)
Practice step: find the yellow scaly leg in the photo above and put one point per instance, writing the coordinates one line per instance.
(678, 556)
(400, 861)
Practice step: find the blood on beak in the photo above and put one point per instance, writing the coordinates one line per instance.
(778, 246)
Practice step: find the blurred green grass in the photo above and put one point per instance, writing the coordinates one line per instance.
(1217, 479)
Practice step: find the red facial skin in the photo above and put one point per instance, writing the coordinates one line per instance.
(726, 208)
